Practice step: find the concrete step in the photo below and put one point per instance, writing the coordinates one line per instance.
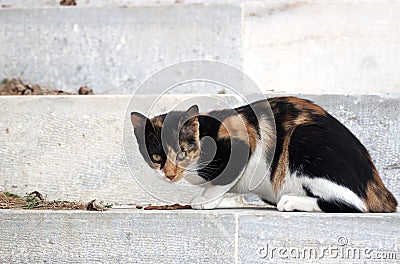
(97, 3)
(187, 236)
(71, 147)
(113, 49)
(328, 47)
(285, 46)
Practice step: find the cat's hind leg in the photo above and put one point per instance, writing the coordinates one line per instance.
(290, 203)
(336, 206)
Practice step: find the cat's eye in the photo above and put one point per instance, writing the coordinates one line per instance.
(156, 157)
(181, 155)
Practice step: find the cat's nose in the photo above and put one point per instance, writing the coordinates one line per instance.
(170, 177)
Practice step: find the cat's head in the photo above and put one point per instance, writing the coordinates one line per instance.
(169, 142)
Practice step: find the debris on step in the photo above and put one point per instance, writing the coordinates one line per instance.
(167, 207)
(222, 91)
(68, 2)
(85, 90)
(95, 206)
(36, 201)
(18, 87)
(37, 194)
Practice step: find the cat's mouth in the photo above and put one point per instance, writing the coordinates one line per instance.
(171, 178)
(174, 178)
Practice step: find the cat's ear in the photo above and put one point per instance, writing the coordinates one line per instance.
(138, 120)
(193, 111)
(142, 125)
(190, 117)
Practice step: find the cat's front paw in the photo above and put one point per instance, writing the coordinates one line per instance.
(198, 202)
(201, 202)
(291, 203)
(286, 203)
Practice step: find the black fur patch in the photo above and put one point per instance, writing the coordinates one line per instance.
(328, 150)
(332, 206)
(336, 206)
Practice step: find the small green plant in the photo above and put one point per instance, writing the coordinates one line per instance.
(31, 201)
(12, 195)
(106, 205)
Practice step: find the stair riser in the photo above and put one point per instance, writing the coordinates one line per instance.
(284, 46)
(72, 147)
(220, 236)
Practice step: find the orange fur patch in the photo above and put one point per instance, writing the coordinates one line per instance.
(303, 118)
(379, 199)
(279, 175)
(157, 121)
(237, 127)
(177, 168)
(169, 167)
(223, 132)
(306, 105)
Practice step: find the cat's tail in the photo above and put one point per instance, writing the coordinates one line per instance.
(378, 198)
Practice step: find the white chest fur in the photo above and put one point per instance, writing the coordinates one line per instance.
(256, 177)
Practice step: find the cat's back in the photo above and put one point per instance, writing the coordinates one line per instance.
(318, 146)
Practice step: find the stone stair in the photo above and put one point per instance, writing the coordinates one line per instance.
(113, 46)
(72, 147)
(187, 236)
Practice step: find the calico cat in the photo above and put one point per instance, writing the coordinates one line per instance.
(316, 164)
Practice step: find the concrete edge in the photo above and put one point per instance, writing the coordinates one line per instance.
(272, 212)
(268, 95)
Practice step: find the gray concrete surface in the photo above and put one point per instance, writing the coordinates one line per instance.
(113, 49)
(116, 237)
(315, 46)
(95, 3)
(71, 147)
(187, 236)
(325, 47)
(318, 238)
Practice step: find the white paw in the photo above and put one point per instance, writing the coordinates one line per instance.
(286, 203)
(291, 203)
(201, 202)
(197, 202)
